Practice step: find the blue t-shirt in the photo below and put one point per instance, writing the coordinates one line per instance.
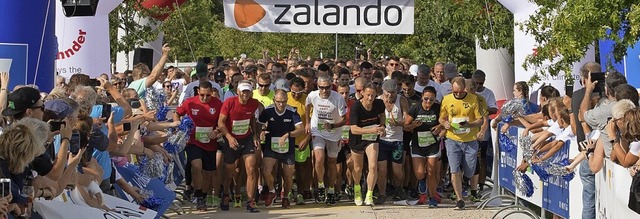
(529, 107)
(279, 124)
(102, 157)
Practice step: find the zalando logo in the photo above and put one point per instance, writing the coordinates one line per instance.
(248, 13)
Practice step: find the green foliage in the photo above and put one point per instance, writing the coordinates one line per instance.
(445, 30)
(566, 29)
(126, 17)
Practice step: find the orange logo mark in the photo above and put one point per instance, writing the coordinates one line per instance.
(247, 13)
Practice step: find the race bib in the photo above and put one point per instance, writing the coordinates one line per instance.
(240, 127)
(455, 123)
(345, 132)
(321, 123)
(370, 137)
(425, 139)
(202, 134)
(276, 147)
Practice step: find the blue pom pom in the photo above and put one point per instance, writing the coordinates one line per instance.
(540, 170)
(505, 142)
(152, 203)
(161, 114)
(507, 119)
(528, 184)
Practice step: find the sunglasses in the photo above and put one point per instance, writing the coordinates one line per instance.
(297, 93)
(264, 85)
(283, 102)
(168, 86)
(205, 95)
(393, 64)
(376, 84)
(324, 87)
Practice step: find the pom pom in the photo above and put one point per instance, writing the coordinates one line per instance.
(161, 114)
(506, 142)
(512, 108)
(152, 168)
(152, 203)
(523, 183)
(540, 169)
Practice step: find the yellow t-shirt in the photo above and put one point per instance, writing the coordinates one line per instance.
(458, 110)
(484, 109)
(299, 106)
(265, 100)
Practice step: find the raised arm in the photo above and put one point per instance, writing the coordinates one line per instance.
(157, 70)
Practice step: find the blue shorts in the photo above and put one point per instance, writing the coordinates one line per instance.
(462, 156)
(391, 150)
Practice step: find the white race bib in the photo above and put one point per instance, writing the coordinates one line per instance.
(321, 123)
(370, 137)
(455, 123)
(202, 134)
(276, 147)
(425, 139)
(240, 127)
(345, 132)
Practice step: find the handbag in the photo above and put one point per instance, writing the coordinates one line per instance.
(634, 194)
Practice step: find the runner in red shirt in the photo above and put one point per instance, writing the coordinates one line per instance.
(345, 152)
(237, 123)
(201, 148)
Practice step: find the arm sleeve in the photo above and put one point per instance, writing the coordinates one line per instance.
(491, 100)
(597, 117)
(182, 109)
(634, 148)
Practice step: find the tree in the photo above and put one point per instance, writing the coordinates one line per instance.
(126, 17)
(566, 29)
(445, 30)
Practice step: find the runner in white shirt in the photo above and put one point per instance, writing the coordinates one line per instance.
(324, 124)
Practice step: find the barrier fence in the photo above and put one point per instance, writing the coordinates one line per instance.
(562, 197)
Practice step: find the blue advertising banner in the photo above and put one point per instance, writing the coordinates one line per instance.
(14, 57)
(508, 164)
(556, 189)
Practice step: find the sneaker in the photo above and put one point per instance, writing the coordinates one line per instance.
(201, 204)
(357, 196)
(307, 195)
(453, 196)
(251, 207)
(188, 195)
(285, 203)
(465, 193)
(349, 192)
(459, 205)
(225, 203)
(269, 199)
(209, 200)
(438, 198)
(423, 199)
(331, 199)
(320, 195)
(401, 194)
(433, 203)
(369, 200)
(475, 198)
(237, 202)
(380, 200)
(300, 199)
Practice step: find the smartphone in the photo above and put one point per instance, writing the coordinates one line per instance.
(94, 82)
(134, 103)
(568, 90)
(106, 111)
(599, 77)
(56, 125)
(126, 127)
(74, 145)
(6, 186)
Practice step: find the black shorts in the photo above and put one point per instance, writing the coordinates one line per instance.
(361, 146)
(245, 146)
(345, 151)
(424, 152)
(288, 158)
(443, 151)
(406, 141)
(208, 158)
(391, 150)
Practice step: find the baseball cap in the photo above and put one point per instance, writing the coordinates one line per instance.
(413, 70)
(282, 84)
(390, 85)
(450, 70)
(20, 100)
(201, 69)
(242, 86)
(219, 76)
(59, 107)
(251, 69)
(424, 69)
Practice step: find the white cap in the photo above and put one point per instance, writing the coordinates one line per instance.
(413, 70)
(244, 86)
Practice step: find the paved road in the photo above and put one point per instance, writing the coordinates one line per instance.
(344, 210)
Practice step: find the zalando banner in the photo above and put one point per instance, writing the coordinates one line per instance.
(321, 16)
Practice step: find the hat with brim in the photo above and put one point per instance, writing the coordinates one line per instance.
(244, 87)
(20, 100)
